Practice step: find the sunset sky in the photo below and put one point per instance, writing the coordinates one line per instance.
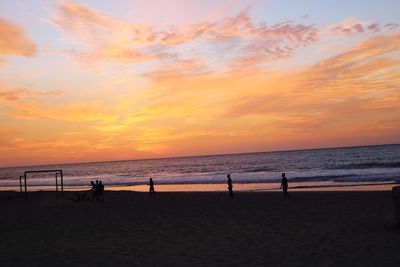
(110, 80)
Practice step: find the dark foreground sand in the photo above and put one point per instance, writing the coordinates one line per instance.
(200, 229)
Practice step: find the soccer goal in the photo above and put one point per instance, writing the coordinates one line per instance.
(57, 174)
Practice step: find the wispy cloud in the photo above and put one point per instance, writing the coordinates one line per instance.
(65, 112)
(107, 39)
(104, 38)
(14, 40)
(360, 82)
(17, 94)
(354, 26)
(392, 26)
(362, 53)
(28, 104)
(177, 69)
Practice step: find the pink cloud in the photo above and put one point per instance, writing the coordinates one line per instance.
(374, 27)
(353, 26)
(391, 26)
(276, 42)
(349, 30)
(108, 39)
(239, 26)
(358, 28)
(119, 55)
(14, 40)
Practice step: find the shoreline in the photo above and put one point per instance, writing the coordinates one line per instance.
(238, 187)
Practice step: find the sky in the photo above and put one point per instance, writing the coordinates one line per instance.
(85, 81)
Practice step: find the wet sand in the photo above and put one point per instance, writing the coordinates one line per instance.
(222, 187)
(200, 229)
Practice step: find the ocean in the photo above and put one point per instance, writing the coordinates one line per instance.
(350, 165)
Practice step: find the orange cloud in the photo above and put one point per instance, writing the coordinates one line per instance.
(66, 112)
(17, 94)
(185, 107)
(14, 40)
(339, 66)
(106, 39)
(334, 99)
(349, 98)
(28, 104)
(178, 68)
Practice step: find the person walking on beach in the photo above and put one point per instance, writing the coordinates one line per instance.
(284, 185)
(230, 186)
(94, 190)
(151, 189)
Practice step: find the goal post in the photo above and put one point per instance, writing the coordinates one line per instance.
(57, 173)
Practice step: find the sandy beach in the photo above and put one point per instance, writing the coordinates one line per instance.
(200, 229)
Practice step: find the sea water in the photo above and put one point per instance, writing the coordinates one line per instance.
(338, 165)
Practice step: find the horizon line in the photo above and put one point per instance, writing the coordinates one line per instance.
(195, 156)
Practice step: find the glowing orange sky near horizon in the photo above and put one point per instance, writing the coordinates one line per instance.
(79, 83)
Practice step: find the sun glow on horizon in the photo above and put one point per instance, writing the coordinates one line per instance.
(95, 81)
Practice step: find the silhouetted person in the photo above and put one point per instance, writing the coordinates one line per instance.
(151, 189)
(97, 190)
(94, 190)
(100, 191)
(230, 186)
(284, 185)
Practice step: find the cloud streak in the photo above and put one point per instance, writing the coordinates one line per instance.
(353, 26)
(17, 94)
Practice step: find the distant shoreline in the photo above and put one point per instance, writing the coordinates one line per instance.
(238, 187)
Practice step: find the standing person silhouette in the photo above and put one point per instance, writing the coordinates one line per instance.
(230, 186)
(284, 185)
(97, 189)
(100, 192)
(151, 190)
(94, 190)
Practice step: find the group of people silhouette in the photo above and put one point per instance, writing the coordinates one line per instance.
(98, 188)
(284, 186)
(97, 191)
